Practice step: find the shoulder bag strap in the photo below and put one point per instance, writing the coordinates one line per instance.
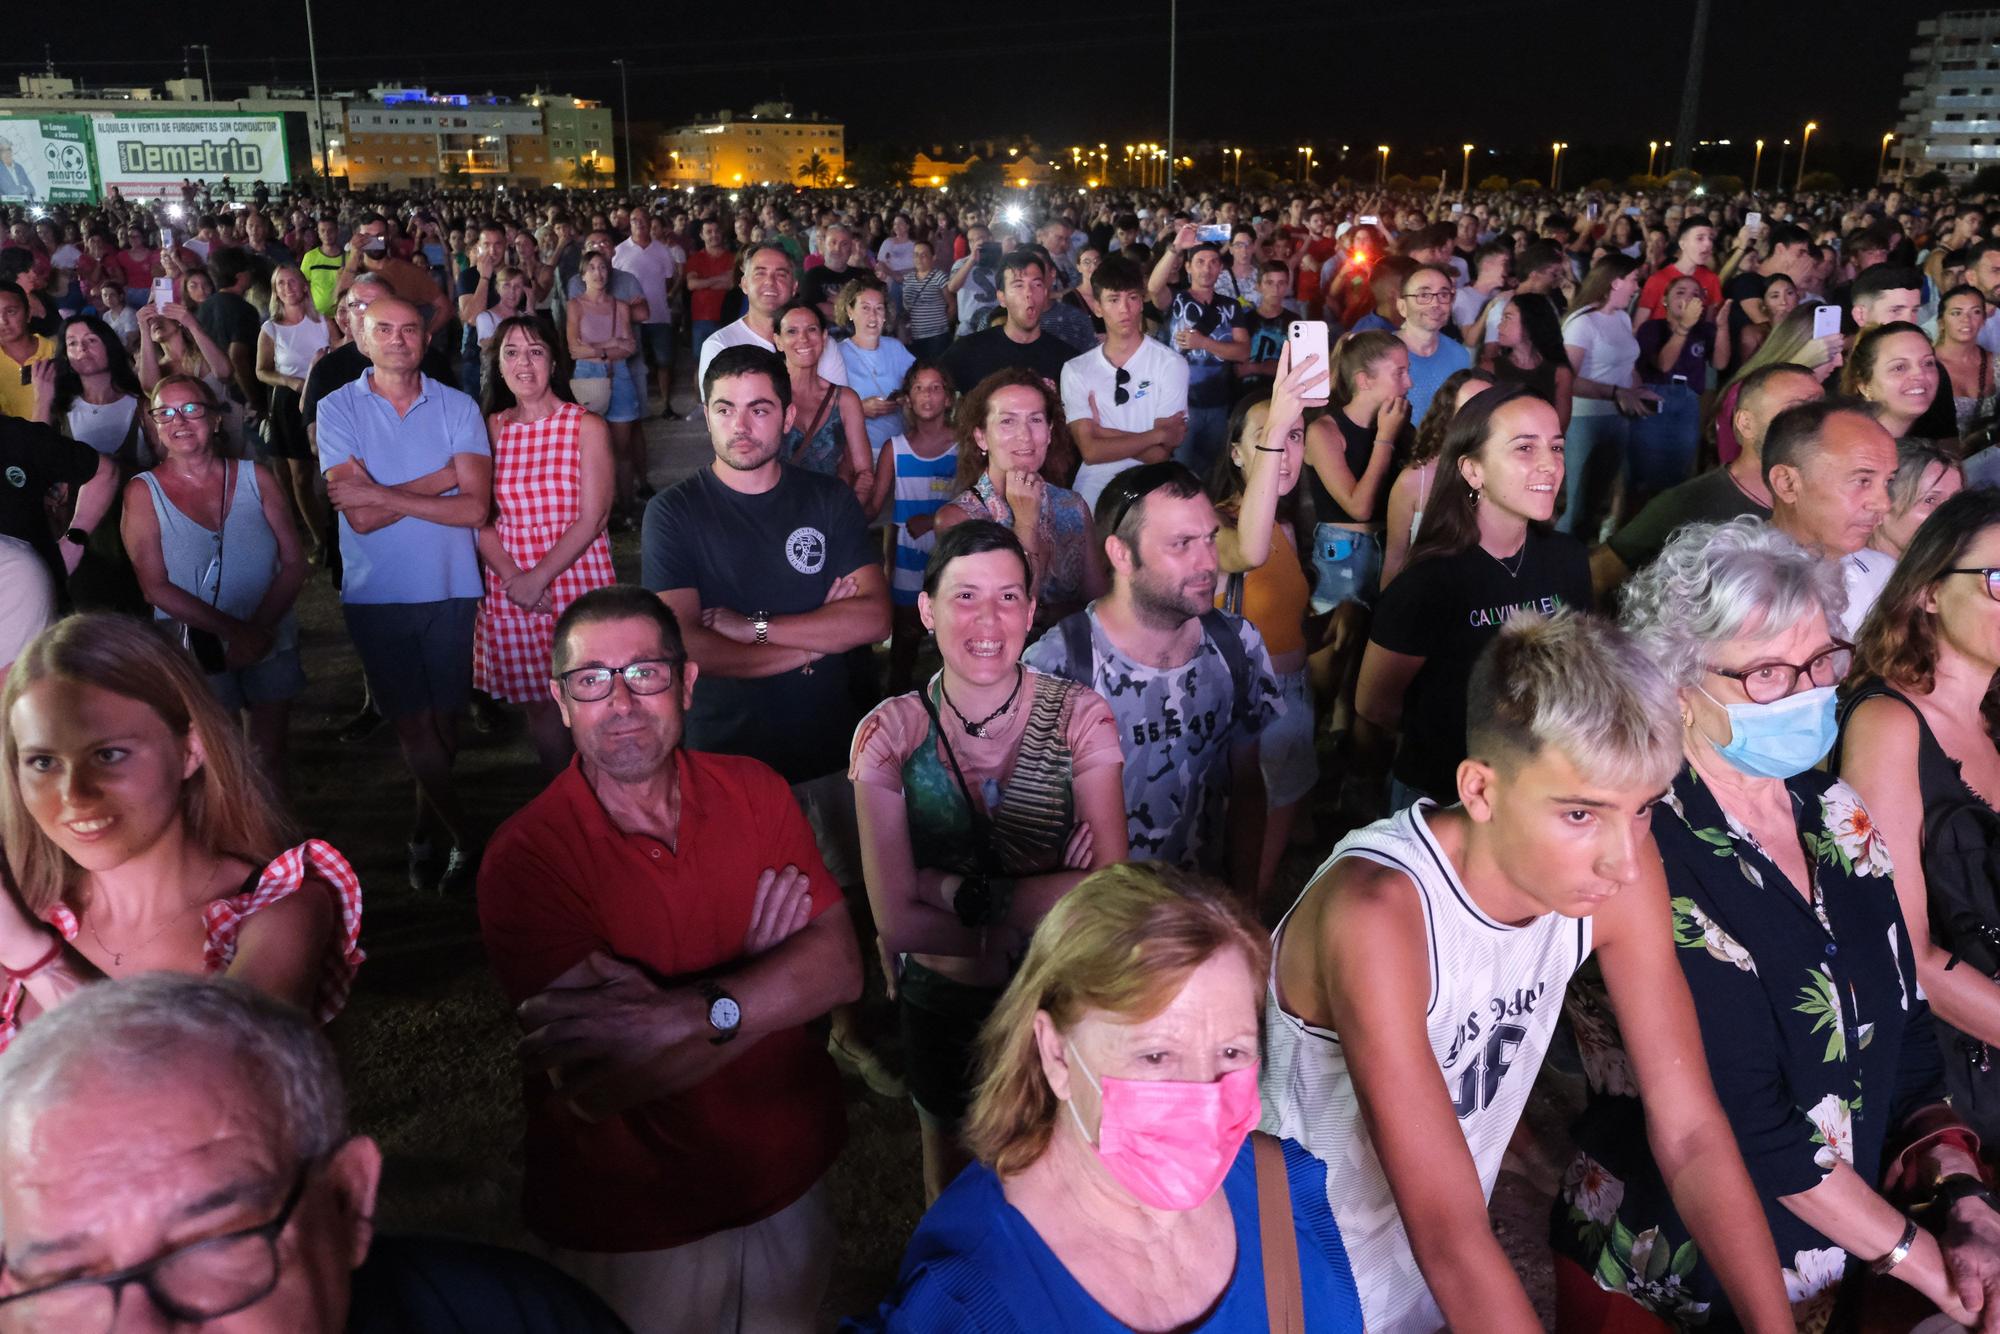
(818, 420)
(1221, 633)
(982, 823)
(1284, 1292)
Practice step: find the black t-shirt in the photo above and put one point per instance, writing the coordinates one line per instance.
(1267, 339)
(229, 320)
(1445, 609)
(432, 1285)
(976, 356)
(468, 283)
(777, 553)
(821, 283)
(33, 458)
(1711, 497)
(343, 366)
(1357, 446)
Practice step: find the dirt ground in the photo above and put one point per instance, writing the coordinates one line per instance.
(427, 1042)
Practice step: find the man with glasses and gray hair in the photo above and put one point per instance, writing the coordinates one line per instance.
(174, 1151)
(664, 924)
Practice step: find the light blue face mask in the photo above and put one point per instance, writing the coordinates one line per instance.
(1781, 739)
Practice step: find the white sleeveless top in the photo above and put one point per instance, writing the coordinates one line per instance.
(1495, 992)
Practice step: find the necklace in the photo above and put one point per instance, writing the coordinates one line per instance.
(118, 956)
(1514, 570)
(978, 729)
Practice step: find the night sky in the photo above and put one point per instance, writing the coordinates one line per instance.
(1517, 74)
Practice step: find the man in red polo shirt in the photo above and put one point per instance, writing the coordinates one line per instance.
(662, 920)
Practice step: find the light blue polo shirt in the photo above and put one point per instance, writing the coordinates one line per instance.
(1427, 374)
(411, 560)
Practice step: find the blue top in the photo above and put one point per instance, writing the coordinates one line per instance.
(411, 560)
(1428, 373)
(977, 1266)
(877, 374)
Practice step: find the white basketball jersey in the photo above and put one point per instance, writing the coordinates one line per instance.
(1495, 992)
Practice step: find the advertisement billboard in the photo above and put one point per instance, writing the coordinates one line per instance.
(45, 159)
(148, 156)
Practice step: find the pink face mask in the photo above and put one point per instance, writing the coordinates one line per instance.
(1170, 1142)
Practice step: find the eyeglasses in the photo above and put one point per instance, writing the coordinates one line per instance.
(1119, 379)
(1133, 485)
(1429, 298)
(1992, 579)
(205, 1280)
(649, 676)
(165, 413)
(1769, 682)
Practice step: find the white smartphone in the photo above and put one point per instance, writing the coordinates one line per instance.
(163, 292)
(1368, 220)
(1753, 223)
(1308, 339)
(1826, 320)
(1458, 208)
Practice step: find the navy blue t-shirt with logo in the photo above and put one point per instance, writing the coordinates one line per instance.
(778, 553)
(1445, 609)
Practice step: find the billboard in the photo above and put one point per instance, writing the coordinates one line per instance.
(45, 159)
(148, 156)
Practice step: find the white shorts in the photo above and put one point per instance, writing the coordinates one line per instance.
(1285, 747)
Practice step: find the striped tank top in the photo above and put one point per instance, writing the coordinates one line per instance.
(1495, 992)
(922, 487)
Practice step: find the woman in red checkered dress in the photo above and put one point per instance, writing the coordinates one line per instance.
(140, 835)
(546, 545)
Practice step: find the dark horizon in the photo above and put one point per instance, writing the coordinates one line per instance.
(1514, 76)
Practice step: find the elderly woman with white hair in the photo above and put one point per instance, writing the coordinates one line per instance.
(1785, 916)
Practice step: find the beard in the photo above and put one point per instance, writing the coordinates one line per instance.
(747, 454)
(1170, 605)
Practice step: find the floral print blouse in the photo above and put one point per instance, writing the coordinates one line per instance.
(1818, 1039)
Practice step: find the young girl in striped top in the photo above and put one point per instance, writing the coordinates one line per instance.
(916, 470)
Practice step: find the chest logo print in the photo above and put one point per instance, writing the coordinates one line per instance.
(16, 478)
(806, 550)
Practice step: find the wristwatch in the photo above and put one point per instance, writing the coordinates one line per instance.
(761, 623)
(724, 1014)
(77, 537)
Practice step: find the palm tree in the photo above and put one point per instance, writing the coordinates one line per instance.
(816, 170)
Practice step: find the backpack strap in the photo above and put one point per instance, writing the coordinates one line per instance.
(1220, 629)
(1079, 653)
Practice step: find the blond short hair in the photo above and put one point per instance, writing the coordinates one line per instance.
(1124, 941)
(1578, 684)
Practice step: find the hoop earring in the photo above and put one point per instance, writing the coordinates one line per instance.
(1472, 497)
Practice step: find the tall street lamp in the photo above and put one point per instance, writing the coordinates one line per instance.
(1882, 158)
(625, 109)
(1652, 151)
(1465, 172)
(1305, 151)
(1804, 144)
(1382, 167)
(1555, 166)
(1756, 165)
(319, 116)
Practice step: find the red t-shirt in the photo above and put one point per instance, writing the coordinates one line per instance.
(1654, 293)
(1317, 253)
(560, 880)
(707, 304)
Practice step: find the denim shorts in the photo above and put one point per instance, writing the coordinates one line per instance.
(275, 680)
(624, 393)
(417, 656)
(1347, 567)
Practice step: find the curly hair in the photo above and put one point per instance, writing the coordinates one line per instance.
(1899, 640)
(1058, 466)
(1717, 581)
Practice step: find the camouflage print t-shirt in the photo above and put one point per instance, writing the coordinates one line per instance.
(1176, 726)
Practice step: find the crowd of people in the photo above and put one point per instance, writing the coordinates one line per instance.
(1604, 590)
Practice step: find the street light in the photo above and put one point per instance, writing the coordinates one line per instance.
(1382, 170)
(1652, 151)
(319, 116)
(1305, 151)
(625, 109)
(1555, 166)
(1465, 173)
(1756, 163)
(1882, 158)
(1804, 144)
(1239, 167)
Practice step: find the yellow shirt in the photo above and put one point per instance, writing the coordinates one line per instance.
(17, 395)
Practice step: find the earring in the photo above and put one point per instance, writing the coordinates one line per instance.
(1473, 497)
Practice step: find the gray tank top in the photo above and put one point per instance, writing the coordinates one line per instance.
(231, 569)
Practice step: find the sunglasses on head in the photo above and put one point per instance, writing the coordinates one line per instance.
(1133, 485)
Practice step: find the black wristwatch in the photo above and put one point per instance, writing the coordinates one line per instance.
(77, 537)
(725, 1016)
(1950, 1191)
